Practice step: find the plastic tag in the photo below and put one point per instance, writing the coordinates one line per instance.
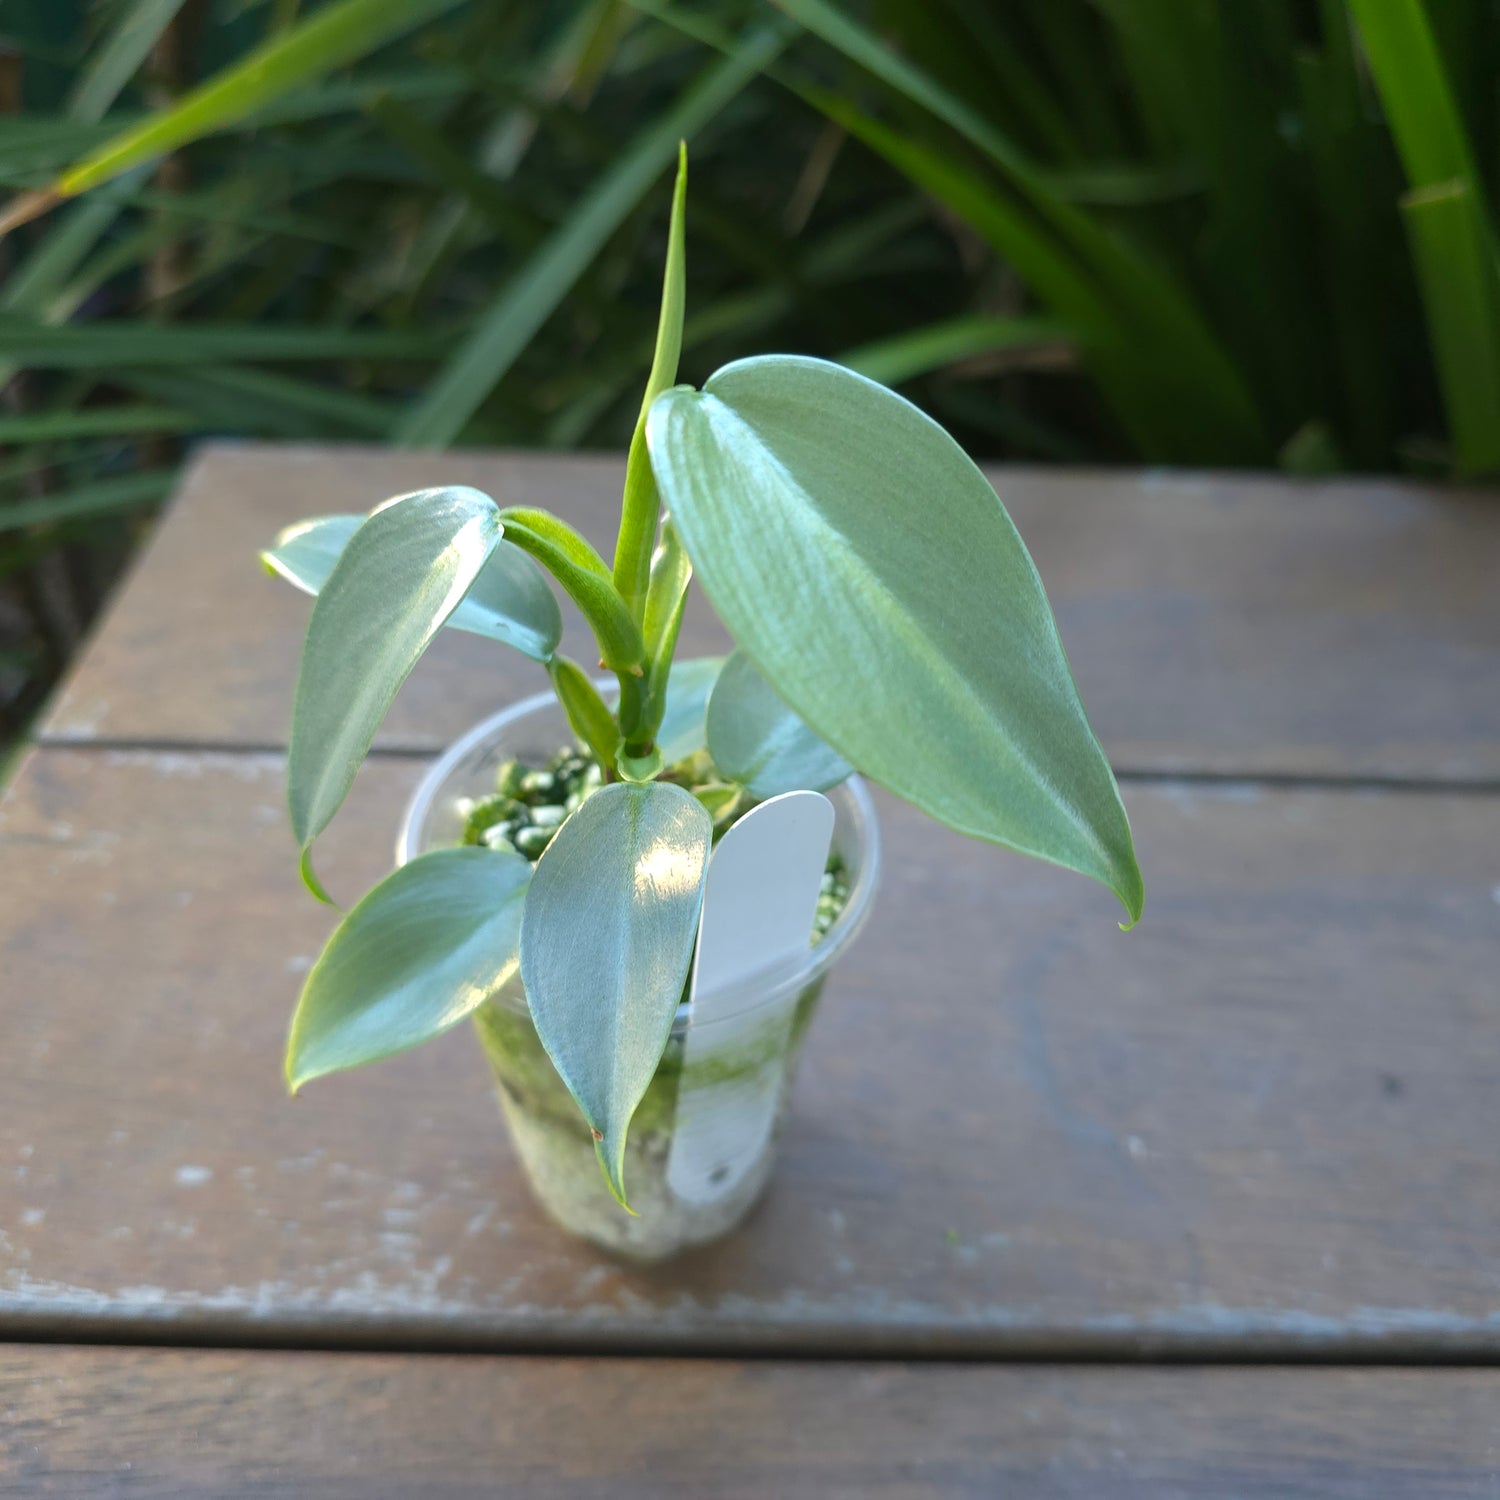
(759, 905)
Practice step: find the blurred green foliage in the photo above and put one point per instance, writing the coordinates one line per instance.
(1171, 231)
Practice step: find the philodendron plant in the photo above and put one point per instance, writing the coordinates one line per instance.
(887, 618)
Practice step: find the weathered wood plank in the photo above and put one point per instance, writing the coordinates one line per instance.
(86, 1423)
(1265, 1120)
(1242, 625)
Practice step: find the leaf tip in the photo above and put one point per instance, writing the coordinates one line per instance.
(292, 1075)
(612, 1162)
(311, 881)
(294, 1070)
(25, 207)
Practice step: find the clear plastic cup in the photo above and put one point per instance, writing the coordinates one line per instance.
(550, 1135)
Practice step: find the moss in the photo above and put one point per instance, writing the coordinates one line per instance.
(523, 1069)
(529, 804)
(524, 812)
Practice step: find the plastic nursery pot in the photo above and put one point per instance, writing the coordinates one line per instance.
(733, 1078)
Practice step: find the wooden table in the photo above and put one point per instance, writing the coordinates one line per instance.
(1059, 1211)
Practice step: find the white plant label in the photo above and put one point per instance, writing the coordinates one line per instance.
(759, 905)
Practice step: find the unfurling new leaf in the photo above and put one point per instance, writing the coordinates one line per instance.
(641, 505)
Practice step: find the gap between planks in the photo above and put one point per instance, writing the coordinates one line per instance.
(1132, 775)
(1251, 1349)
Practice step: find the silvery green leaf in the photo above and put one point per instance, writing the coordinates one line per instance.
(606, 941)
(864, 562)
(304, 552)
(684, 729)
(756, 740)
(400, 575)
(509, 601)
(420, 952)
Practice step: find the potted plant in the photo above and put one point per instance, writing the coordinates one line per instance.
(888, 620)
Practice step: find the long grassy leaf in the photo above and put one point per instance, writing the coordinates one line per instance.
(233, 398)
(342, 96)
(1200, 69)
(31, 146)
(547, 277)
(1415, 91)
(100, 497)
(904, 357)
(842, 254)
(226, 205)
(1452, 239)
(112, 64)
(1359, 257)
(100, 421)
(1041, 260)
(88, 345)
(1457, 277)
(337, 34)
(1166, 419)
(448, 166)
(1160, 310)
(38, 289)
(54, 259)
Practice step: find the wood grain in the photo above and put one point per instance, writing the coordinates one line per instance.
(87, 1423)
(1262, 1122)
(1235, 625)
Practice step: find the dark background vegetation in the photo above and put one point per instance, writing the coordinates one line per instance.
(1118, 231)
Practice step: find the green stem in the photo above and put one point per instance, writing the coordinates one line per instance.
(633, 704)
